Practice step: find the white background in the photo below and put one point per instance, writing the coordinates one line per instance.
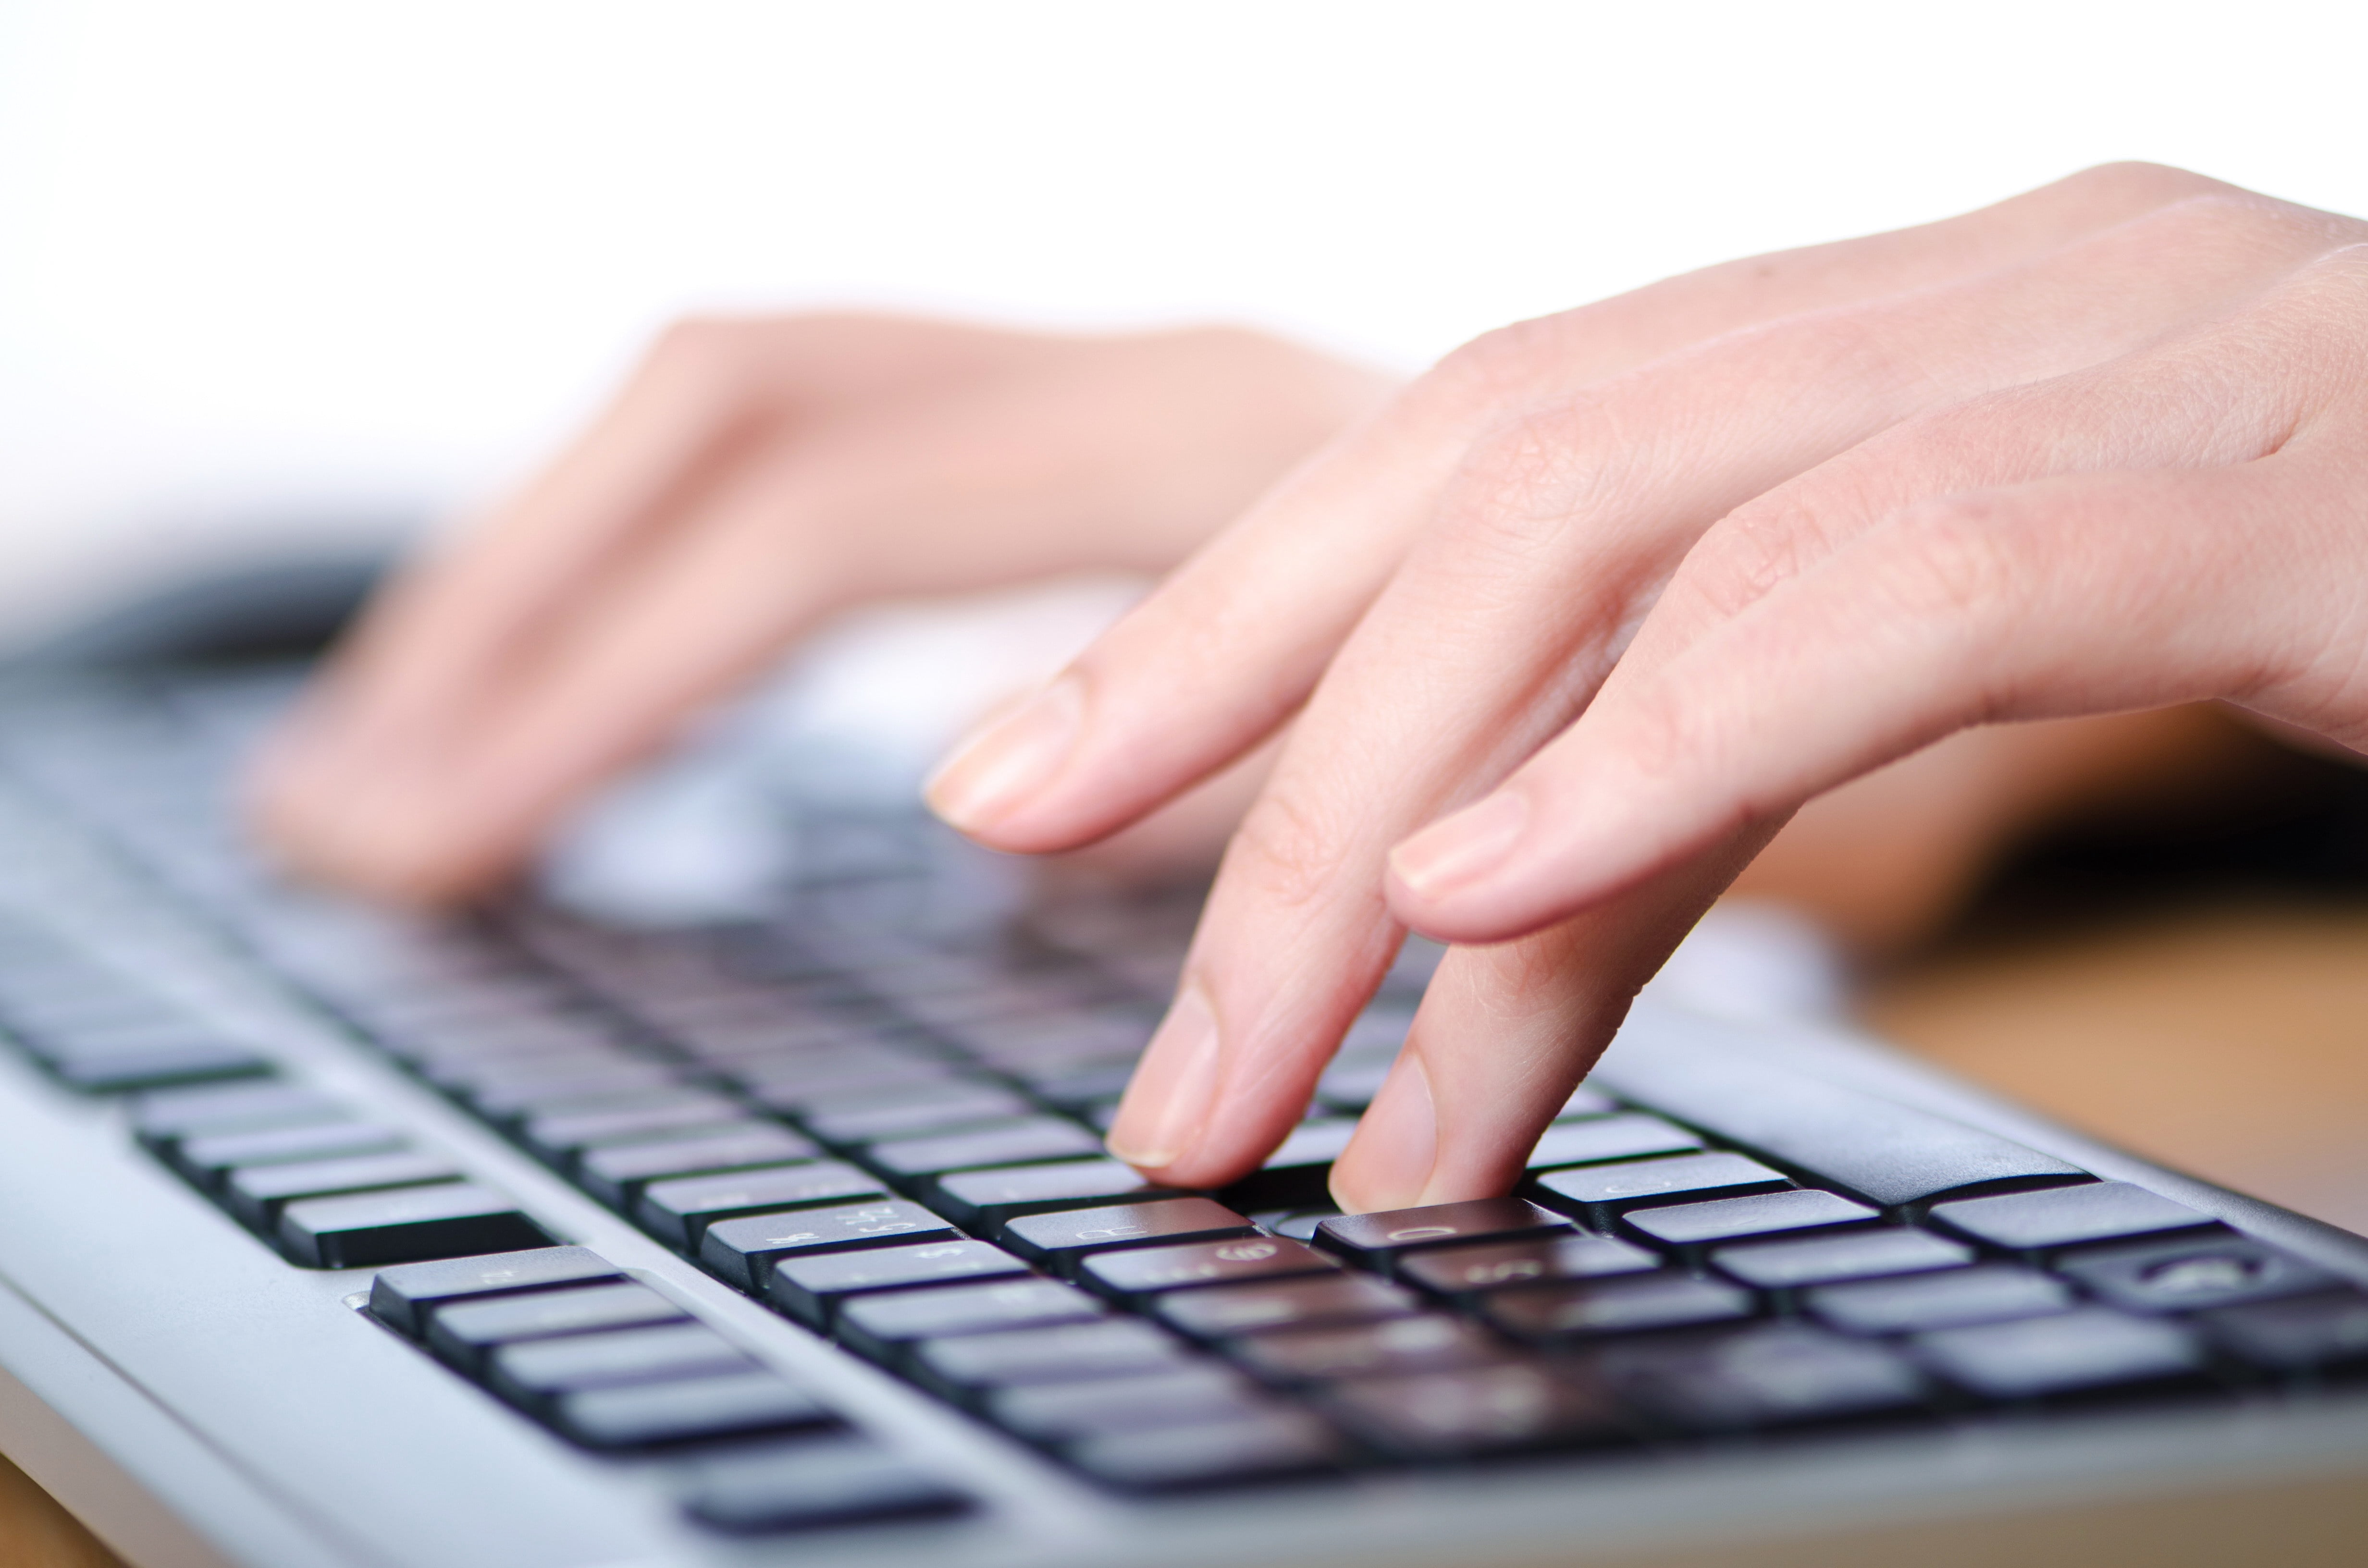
(267, 266)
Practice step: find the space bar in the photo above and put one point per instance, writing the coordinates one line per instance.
(1887, 1154)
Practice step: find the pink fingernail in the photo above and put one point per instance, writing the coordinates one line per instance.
(1390, 1161)
(1001, 765)
(1457, 851)
(1168, 1105)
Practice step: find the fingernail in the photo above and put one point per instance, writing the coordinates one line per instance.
(1463, 848)
(1397, 1140)
(1000, 765)
(1167, 1104)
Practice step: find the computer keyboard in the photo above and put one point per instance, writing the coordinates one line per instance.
(877, 1110)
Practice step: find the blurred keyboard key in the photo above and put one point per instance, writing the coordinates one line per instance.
(882, 1326)
(1270, 1444)
(1004, 1143)
(1767, 1375)
(900, 1113)
(464, 1333)
(1569, 1254)
(404, 1226)
(1062, 1240)
(983, 1199)
(1377, 1239)
(163, 1116)
(1889, 1155)
(1554, 1313)
(257, 1193)
(1185, 1394)
(538, 1370)
(1143, 1271)
(725, 1404)
(742, 1250)
(1325, 1302)
(1111, 1347)
(1606, 1191)
(207, 1158)
(2327, 1332)
(403, 1297)
(815, 1485)
(2085, 1351)
(810, 1289)
(1428, 1342)
(615, 1173)
(1825, 1260)
(1623, 1137)
(1737, 1218)
(558, 1135)
(679, 1210)
(2189, 1275)
(1987, 1293)
(1588, 1100)
(2066, 1216)
(1493, 1409)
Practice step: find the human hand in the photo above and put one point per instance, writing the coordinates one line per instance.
(752, 477)
(1573, 626)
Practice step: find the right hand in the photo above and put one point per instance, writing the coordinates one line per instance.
(753, 476)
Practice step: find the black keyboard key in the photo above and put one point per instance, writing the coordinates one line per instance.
(1591, 1309)
(679, 1210)
(2189, 1275)
(1737, 1218)
(1767, 1375)
(1888, 1154)
(1986, 1292)
(116, 1069)
(1604, 1192)
(1376, 1240)
(507, 1096)
(257, 1193)
(2085, 1351)
(1285, 1304)
(2067, 1216)
(617, 1173)
(1061, 1239)
(810, 1289)
(1267, 1444)
(962, 1367)
(1571, 1255)
(403, 1297)
(1507, 1407)
(557, 1135)
(1185, 1394)
(207, 1158)
(725, 1404)
(1597, 1139)
(164, 1115)
(901, 1113)
(2327, 1332)
(742, 1250)
(404, 1226)
(1004, 1143)
(534, 1372)
(984, 1199)
(1827, 1260)
(466, 1331)
(882, 1326)
(1138, 1272)
(1427, 1342)
(815, 1485)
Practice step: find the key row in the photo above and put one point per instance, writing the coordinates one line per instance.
(563, 1337)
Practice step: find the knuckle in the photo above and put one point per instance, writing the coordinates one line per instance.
(1958, 558)
(2137, 178)
(1284, 852)
(1752, 549)
(1526, 483)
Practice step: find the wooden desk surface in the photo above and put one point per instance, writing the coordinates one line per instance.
(2226, 1039)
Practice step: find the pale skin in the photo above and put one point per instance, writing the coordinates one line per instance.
(1563, 633)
